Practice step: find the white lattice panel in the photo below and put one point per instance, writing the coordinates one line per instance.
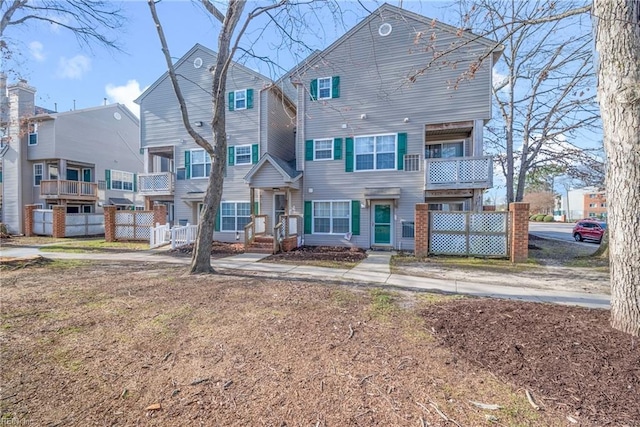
(441, 172)
(455, 244)
(487, 244)
(144, 219)
(448, 221)
(488, 222)
(125, 218)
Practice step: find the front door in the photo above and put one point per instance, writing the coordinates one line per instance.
(381, 223)
(279, 206)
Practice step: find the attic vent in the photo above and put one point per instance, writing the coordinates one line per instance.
(197, 63)
(117, 116)
(385, 29)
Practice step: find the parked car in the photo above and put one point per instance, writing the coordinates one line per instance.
(588, 229)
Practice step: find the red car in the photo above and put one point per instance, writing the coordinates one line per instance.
(589, 230)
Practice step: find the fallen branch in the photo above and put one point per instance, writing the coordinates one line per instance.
(442, 414)
(199, 381)
(350, 331)
(485, 405)
(530, 399)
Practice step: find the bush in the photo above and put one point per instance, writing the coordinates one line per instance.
(539, 217)
(548, 218)
(532, 218)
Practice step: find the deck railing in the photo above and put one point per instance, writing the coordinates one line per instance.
(157, 183)
(458, 173)
(63, 189)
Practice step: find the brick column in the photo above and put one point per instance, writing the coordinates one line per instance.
(28, 219)
(109, 223)
(519, 237)
(421, 230)
(59, 220)
(159, 214)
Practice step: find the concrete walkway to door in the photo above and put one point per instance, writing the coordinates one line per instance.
(375, 266)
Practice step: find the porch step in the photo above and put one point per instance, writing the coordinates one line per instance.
(261, 245)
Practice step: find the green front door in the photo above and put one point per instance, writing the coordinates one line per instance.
(382, 218)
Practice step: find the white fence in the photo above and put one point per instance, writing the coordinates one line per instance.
(469, 233)
(183, 235)
(160, 235)
(133, 225)
(42, 222)
(90, 224)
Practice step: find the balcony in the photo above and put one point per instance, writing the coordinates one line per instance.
(69, 190)
(156, 184)
(458, 173)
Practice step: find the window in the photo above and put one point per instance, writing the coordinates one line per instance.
(37, 174)
(324, 88)
(445, 150)
(593, 205)
(121, 180)
(603, 205)
(200, 164)
(412, 162)
(53, 172)
(323, 149)
(375, 152)
(408, 229)
(234, 215)
(240, 102)
(331, 217)
(33, 133)
(243, 154)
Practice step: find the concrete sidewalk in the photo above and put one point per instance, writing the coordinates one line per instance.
(374, 270)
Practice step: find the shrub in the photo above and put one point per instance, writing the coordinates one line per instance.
(548, 218)
(539, 217)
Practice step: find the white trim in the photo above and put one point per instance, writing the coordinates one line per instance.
(235, 99)
(441, 143)
(41, 174)
(331, 218)
(235, 155)
(315, 159)
(395, 153)
(330, 87)
(235, 216)
(207, 161)
(124, 174)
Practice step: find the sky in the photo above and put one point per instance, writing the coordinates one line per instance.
(68, 75)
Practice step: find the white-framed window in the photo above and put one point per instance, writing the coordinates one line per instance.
(323, 149)
(33, 134)
(377, 152)
(200, 164)
(38, 169)
(53, 172)
(243, 155)
(121, 180)
(445, 150)
(324, 88)
(331, 217)
(240, 99)
(603, 205)
(234, 215)
(593, 205)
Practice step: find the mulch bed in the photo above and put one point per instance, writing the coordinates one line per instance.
(569, 358)
(218, 249)
(320, 253)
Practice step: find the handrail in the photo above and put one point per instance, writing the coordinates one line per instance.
(278, 236)
(249, 234)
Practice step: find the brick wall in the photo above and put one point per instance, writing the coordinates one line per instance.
(519, 233)
(109, 223)
(28, 219)
(159, 214)
(59, 220)
(421, 230)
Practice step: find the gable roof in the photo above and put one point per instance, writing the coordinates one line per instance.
(288, 172)
(184, 57)
(494, 46)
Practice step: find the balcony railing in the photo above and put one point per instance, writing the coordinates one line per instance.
(64, 189)
(157, 183)
(458, 173)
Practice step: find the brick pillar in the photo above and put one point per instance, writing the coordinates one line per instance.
(421, 230)
(59, 220)
(159, 214)
(519, 237)
(28, 219)
(109, 223)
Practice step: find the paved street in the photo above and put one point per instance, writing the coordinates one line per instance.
(556, 230)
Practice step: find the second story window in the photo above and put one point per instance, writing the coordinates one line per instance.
(33, 133)
(199, 165)
(324, 88)
(375, 152)
(243, 155)
(241, 99)
(445, 150)
(323, 149)
(121, 180)
(37, 174)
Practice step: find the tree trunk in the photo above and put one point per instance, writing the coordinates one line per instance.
(603, 249)
(617, 34)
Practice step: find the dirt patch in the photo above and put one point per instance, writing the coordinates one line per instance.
(310, 254)
(218, 249)
(11, 263)
(569, 358)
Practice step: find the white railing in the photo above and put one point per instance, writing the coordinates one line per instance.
(183, 235)
(68, 189)
(160, 235)
(156, 183)
(260, 224)
(458, 173)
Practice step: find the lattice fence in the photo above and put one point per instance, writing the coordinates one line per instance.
(134, 225)
(469, 233)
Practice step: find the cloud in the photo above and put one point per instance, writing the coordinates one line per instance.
(37, 51)
(125, 94)
(73, 68)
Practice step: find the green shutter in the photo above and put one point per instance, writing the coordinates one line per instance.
(355, 217)
(308, 210)
(337, 148)
(402, 149)
(308, 150)
(348, 155)
(107, 178)
(231, 155)
(249, 98)
(135, 182)
(313, 89)
(231, 100)
(216, 226)
(335, 87)
(187, 164)
(0, 176)
(256, 208)
(254, 154)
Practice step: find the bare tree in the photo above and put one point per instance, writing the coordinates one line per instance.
(617, 32)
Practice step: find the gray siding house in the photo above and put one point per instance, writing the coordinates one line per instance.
(260, 136)
(82, 159)
(385, 122)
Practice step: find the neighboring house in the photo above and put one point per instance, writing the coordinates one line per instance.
(587, 202)
(260, 128)
(595, 204)
(373, 142)
(81, 159)
(361, 146)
